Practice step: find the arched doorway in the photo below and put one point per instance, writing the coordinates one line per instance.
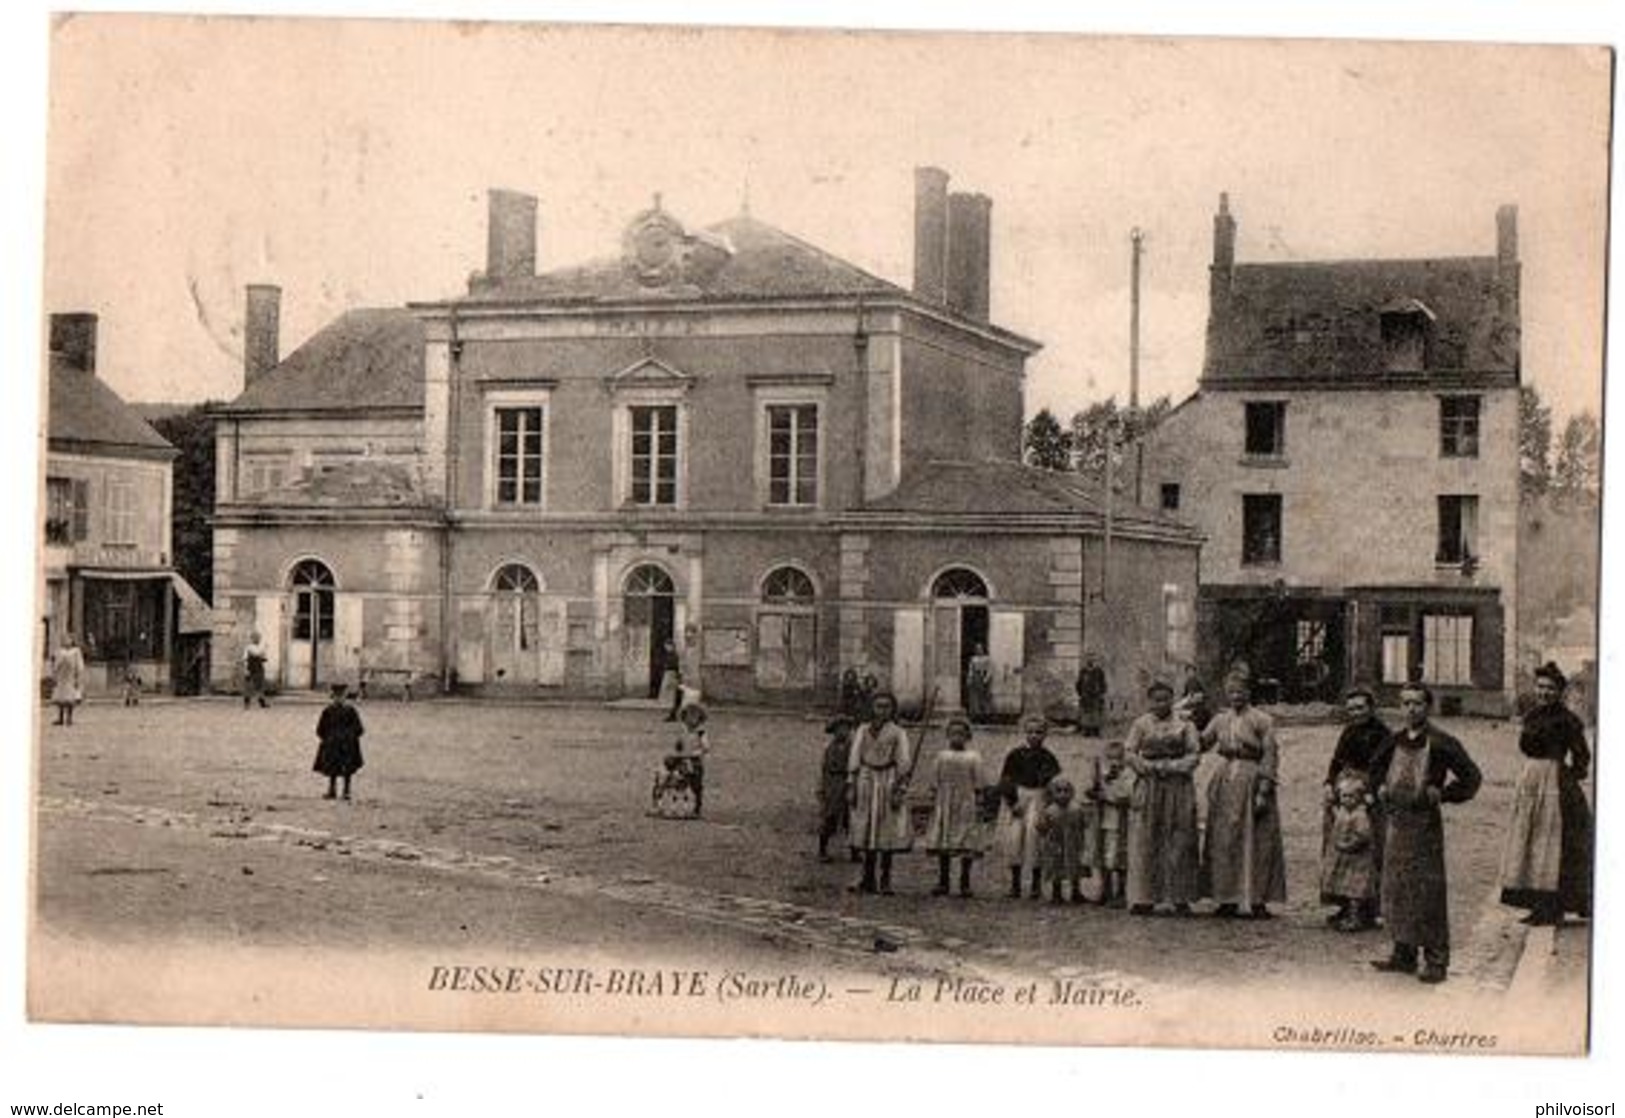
(649, 623)
(310, 634)
(787, 630)
(959, 626)
(514, 626)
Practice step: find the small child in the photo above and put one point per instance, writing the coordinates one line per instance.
(832, 807)
(688, 752)
(339, 730)
(132, 687)
(1350, 874)
(956, 829)
(1063, 835)
(1115, 791)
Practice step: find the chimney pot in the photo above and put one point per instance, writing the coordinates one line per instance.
(73, 337)
(511, 236)
(931, 234)
(261, 331)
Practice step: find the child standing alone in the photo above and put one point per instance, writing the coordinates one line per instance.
(339, 730)
(956, 829)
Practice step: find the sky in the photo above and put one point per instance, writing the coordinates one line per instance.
(347, 161)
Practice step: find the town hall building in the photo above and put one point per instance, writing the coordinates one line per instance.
(723, 438)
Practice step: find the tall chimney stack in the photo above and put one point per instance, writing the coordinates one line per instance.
(510, 236)
(931, 234)
(969, 243)
(1507, 268)
(262, 326)
(73, 337)
(1224, 253)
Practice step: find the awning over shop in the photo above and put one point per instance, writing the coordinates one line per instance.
(196, 616)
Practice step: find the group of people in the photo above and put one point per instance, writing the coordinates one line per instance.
(1130, 819)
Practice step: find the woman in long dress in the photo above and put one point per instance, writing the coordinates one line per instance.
(1547, 864)
(1243, 860)
(67, 680)
(879, 770)
(1163, 750)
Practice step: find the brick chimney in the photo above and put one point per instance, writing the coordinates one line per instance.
(73, 338)
(261, 331)
(1224, 252)
(510, 236)
(1507, 268)
(931, 234)
(969, 242)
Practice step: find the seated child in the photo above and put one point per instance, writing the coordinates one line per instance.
(1063, 836)
(1349, 876)
(956, 829)
(688, 752)
(1114, 792)
(132, 688)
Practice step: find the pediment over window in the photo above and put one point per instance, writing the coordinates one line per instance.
(649, 373)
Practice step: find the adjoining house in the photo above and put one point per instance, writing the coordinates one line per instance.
(107, 559)
(725, 438)
(1351, 455)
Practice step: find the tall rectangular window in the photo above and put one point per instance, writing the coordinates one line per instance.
(519, 455)
(654, 455)
(1170, 496)
(120, 511)
(1458, 529)
(1266, 429)
(792, 454)
(1447, 649)
(1260, 528)
(65, 520)
(1458, 427)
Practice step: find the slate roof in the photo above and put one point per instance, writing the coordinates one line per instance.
(366, 358)
(1011, 489)
(742, 258)
(86, 415)
(1325, 319)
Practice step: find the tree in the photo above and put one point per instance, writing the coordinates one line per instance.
(1124, 426)
(192, 432)
(1046, 444)
(1579, 456)
(1534, 441)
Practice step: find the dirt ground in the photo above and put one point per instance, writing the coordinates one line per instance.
(197, 818)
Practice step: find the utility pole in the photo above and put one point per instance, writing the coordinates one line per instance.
(1136, 241)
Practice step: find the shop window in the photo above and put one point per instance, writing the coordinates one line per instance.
(1447, 649)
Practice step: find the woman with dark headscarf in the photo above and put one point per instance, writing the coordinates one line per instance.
(1546, 867)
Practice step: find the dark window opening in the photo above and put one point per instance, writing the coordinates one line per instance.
(1458, 529)
(1404, 341)
(1458, 427)
(1170, 496)
(1261, 528)
(1266, 429)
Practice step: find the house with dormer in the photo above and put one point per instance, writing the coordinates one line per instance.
(722, 437)
(1351, 455)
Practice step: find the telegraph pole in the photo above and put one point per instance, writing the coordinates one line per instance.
(1136, 241)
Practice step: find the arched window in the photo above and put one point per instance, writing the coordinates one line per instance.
(959, 582)
(649, 581)
(312, 585)
(787, 630)
(788, 586)
(515, 578)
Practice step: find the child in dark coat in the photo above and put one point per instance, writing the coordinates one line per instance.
(339, 730)
(832, 807)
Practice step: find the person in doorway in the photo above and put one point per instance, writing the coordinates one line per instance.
(1546, 867)
(1091, 688)
(1162, 751)
(1243, 858)
(668, 678)
(338, 731)
(979, 685)
(254, 658)
(67, 679)
(1363, 734)
(1417, 769)
(956, 831)
(1028, 769)
(878, 775)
